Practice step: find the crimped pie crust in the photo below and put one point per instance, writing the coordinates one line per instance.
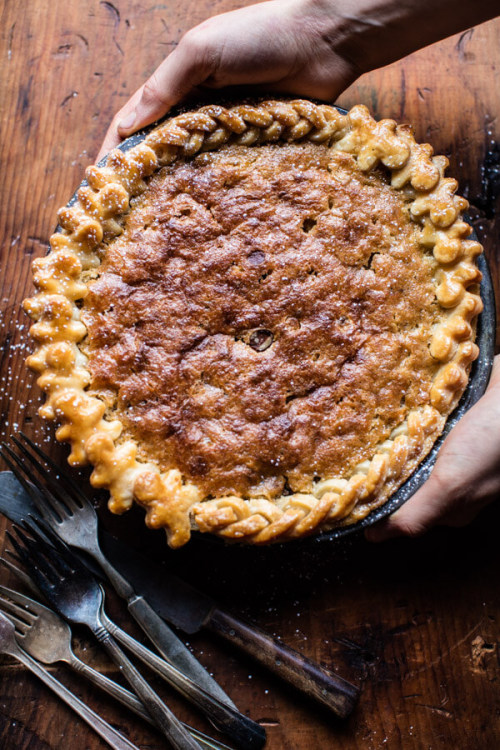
(92, 368)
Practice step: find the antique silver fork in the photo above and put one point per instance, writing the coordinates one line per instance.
(72, 517)
(9, 645)
(70, 514)
(47, 638)
(77, 595)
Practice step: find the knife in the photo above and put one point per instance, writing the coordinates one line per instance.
(16, 504)
(189, 610)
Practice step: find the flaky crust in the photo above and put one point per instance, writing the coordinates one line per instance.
(91, 428)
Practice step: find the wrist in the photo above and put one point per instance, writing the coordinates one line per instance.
(371, 33)
(364, 33)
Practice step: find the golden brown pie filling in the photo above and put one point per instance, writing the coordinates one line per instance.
(263, 319)
(256, 321)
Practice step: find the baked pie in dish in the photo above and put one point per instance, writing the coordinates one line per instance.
(256, 321)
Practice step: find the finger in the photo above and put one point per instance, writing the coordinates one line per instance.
(425, 508)
(187, 67)
(298, 87)
(112, 139)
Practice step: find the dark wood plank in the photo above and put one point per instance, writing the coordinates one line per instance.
(414, 622)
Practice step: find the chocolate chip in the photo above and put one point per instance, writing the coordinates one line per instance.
(261, 339)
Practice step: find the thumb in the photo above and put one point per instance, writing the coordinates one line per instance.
(188, 66)
(418, 514)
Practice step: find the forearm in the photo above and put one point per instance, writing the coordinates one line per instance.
(373, 33)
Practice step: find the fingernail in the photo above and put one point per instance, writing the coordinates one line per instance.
(127, 122)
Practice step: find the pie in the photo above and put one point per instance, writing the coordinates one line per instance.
(256, 321)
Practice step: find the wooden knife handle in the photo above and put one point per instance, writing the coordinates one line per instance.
(329, 689)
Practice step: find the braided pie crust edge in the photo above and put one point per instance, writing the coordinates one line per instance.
(169, 500)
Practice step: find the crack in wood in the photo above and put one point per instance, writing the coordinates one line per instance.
(83, 39)
(436, 710)
(24, 98)
(445, 653)
(483, 657)
(115, 13)
(68, 98)
(402, 95)
(422, 92)
(9, 42)
(113, 10)
(462, 43)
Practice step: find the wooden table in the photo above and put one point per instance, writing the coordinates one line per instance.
(415, 622)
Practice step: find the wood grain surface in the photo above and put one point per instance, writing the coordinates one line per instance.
(414, 622)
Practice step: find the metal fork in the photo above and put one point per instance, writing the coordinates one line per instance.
(69, 513)
(77, 595)
(68, 518)
(47, 638)
(9, 645)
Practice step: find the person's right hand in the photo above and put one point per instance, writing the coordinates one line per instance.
(312, 48)
(282, 45)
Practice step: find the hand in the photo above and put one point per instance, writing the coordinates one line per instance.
(316, 48)
(313, 48)
(465, 478)
(280, 45)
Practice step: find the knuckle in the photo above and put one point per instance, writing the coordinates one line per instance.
(447, 487)
(153, 95)
(196, 38)
(443, 480)
(192, 44)
(151, 92)
(200, 46)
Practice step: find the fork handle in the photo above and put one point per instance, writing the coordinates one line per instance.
(128, 699)
(169, 724)
(248, 734)
(131, 701)
(166, 641)
(110, 735)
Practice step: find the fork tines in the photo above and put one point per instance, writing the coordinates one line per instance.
(54, 568)
(40, 549)
(58, 502)
(61, 473)
(21, 618)
(19, 574)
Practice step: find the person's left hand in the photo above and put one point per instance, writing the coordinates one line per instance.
(466, 476)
